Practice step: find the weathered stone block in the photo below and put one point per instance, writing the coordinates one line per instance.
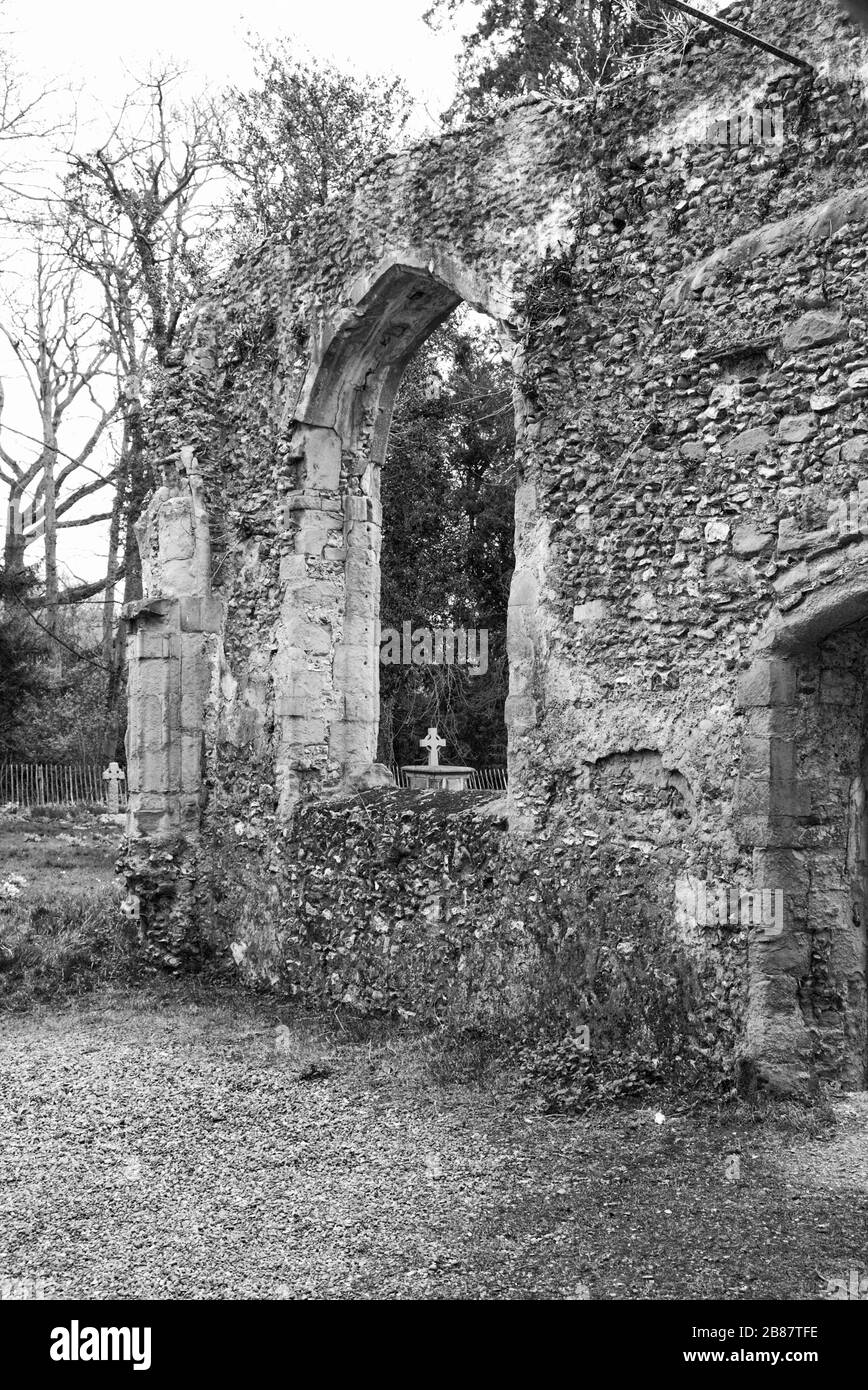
(855, 450)
(198, 614)
(154, 644)
(521, 713)
(770, 681)
(322, 459)
(795, 429)
(301, 730)
(315, 639)
(813, 329)
(301, 706)
(748, 540)
(756, 757)
(591, 613)
(750, 442)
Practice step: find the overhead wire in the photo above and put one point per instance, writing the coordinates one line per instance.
(82, 656)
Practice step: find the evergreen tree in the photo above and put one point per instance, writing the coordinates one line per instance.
(301, 131)
(560, 46)
(22, 649)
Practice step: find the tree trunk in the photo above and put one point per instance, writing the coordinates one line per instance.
(51, 586)
(112, 646)
(13, 546)
(136, 490)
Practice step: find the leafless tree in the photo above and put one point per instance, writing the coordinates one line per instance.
(65, 361)
(23, 118)
(140, 220)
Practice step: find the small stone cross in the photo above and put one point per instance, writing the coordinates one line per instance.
(114, 775)
(433, 743)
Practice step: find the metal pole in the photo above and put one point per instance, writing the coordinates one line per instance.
(726, 28)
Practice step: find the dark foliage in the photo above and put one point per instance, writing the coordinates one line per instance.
(447, 557)
(559, 46)
(22, 648)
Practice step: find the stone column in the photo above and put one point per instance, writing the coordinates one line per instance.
(173, 651)
(327, 661)
(353, 735)
(312, 576)
(768, 802)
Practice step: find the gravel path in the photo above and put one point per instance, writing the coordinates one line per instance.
(167, 1148)
(839, 1162)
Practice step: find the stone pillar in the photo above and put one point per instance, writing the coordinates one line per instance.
(327, 660)
(524, 639)
(353, 735)
(173, 652)
(171, 666)
(314, 587)
(769, 802)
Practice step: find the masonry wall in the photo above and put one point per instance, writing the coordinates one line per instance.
(688, 329)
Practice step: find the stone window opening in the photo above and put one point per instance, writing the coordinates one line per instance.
(328, 642)
(447, 550)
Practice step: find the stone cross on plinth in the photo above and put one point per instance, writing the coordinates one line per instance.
(114, 775)
(433, 743)
(436, 776)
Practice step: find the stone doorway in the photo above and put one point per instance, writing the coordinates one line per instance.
(832, 764)
(803, 807)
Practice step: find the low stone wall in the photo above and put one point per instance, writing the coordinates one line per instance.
(422, 905)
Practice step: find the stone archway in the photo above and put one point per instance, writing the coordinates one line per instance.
(801, 808)
(327, 663)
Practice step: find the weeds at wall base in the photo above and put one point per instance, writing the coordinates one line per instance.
(52, 945)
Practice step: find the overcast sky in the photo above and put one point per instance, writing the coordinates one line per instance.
(94, 41)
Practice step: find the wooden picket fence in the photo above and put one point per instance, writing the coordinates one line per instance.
(54, 784)
(484, 779)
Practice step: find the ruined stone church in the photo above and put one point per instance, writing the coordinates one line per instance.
(676, 269)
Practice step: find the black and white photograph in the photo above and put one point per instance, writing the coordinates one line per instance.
(433, 672)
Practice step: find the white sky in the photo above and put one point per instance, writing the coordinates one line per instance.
(97, 42)
(89, 50)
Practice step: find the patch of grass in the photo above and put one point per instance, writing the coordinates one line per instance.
(810, 1118)
(464, 1056)
(52, 944)
(60, 854)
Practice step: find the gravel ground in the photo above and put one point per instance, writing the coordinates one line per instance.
(157, 1147)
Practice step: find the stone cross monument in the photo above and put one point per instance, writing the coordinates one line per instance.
(434, 775)
(433, 743)
(113, 776)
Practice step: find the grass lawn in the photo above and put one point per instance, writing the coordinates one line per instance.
(70, 852)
